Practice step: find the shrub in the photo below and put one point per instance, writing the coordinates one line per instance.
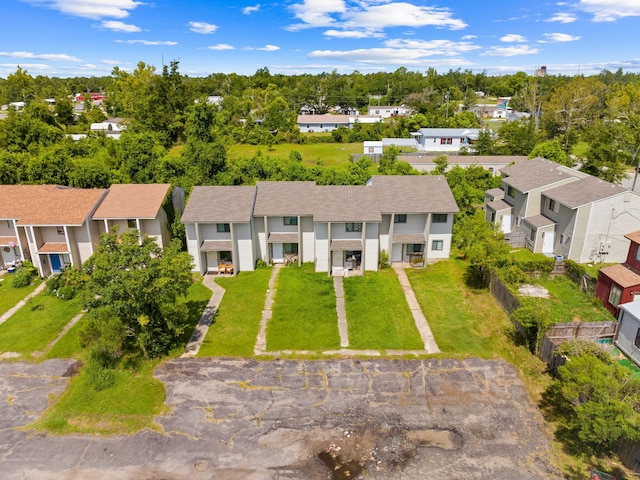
(98, 377)
(24, 274)
(66, 284)
(261, 263)
(383, 260)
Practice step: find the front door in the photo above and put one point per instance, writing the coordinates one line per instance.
(55, 263)
(547, 242)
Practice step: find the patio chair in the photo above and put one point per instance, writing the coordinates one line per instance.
(222, 268)
(229, 269)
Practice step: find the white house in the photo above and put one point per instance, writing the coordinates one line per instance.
(445, 139)
(339, 228)
(388, 111)
(329, 122)
(494, 163)
(627, 337)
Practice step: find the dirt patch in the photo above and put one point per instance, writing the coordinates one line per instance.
(529, 290)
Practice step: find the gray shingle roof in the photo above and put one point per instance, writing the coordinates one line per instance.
(413, 194)
(536, 173)
(219, 204)
(498, 205)
(346, 204)
(285, 198)
(583, 191)
(496, 193)
(539, 221)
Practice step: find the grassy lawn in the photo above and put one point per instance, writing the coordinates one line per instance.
(568, 303)
(237, 322)
(9, 295)
(36, 324)
(378, 314)
(127, 407)
(304, 313)
(328, 154)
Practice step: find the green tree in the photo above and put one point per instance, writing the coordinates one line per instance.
(601, 398)
(517, 138)
(486, 143)
(131, 297)
(551, 150)
(607, 153)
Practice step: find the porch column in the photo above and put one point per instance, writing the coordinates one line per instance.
(299, 240)
(427, 231)
(330, 252)
(234, 253)
(390, 240)
(15, 229)
(363, 239)
(266, 240)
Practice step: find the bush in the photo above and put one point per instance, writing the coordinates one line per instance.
(66, 284)
(383, 260)
(24, 275)
(261, 264)
(98, 377)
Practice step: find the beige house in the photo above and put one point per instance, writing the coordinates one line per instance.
(57, 226)
(341, 229)
(563, 212)
(133, 206)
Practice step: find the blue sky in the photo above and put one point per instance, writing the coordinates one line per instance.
(89, 37)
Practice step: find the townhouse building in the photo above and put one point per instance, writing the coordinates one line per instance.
(563, 212)
(341, 229)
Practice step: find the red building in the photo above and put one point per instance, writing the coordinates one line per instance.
(620, 283)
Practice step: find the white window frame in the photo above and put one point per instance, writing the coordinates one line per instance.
(437, 245)
(614, 295)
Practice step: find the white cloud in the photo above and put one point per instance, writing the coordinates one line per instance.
(26, 66)
(513, 38)
(374, 14)
(610, 10)
(433, 47)
(202, 27)
(511, 51)
(110, 62)
(562, 18)
(221, 46)
(561, 37)
(353, 34)
(402, 14)
(90, 8)
(250, 10)
(146, 42)
(390, 56)
(269, 48)
(469, 37)
(117, 26)
(53, 57)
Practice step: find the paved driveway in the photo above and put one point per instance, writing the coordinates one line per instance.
(285, 419)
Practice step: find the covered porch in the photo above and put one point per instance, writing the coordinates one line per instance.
(217, 257)
(345, 257)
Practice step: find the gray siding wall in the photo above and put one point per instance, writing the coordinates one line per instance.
(308, 245)
(629, 326)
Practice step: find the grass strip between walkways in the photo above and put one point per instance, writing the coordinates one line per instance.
(236, 325)
(10, 296)
(378, 315)
(304, 313)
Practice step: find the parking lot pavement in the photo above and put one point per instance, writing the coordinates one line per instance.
(297, 419)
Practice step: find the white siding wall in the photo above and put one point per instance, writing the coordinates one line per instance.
(415, 224)
(193, 247)
(308, 245)
(371, 248)
(261, 244)
(83, 242)
(628, 330)
(6, 230)
(438, 254)
(322, 247)
(49, 234)
(244, 245)
(619, 216)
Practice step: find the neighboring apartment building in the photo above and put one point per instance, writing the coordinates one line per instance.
(341, 229)
(55, 227)
(627, 337)
(388, 111)
(620, 283)
(329, 122)
(493, 163)
(564, 212)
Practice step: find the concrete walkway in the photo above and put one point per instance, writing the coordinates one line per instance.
(342, 313)
(193, 347)
(66, 328)
(430, 344)
(6, 315)
(261, 342)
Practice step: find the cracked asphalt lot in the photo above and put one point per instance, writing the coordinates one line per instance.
(250, 419)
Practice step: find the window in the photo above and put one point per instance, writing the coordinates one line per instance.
(370, 149)
(638, 253)
(511, 192)
(223, 227)
(353, 227)
(446, 141)
(493, 217)
(66, 259)
(415, 248)
(532, 235)
(224, 256)
(564, 239)
(132, 224)
(614, 295)
(637, 341)
(400, 218)
(60, 230)
(518, 221)
(437, 245)
(290, 248)
(490, 169)
(439, 218)
(290, 220)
